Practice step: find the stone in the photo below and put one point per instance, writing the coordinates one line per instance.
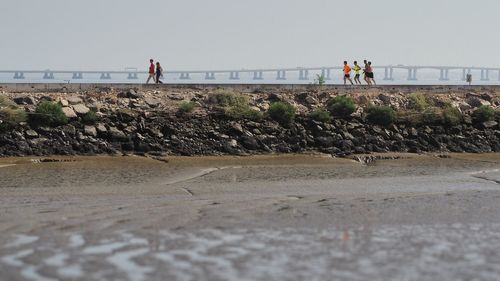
(74, 100)
(31, 134)
(69, 112)
(311, 100)
(133, 94)
(64, 102)
(101, 129)
(477, 102)
(237, 127)
(249, 142)
(232, 143)
(80, 109)
(22, 100)
(90, 131)
(116, 134)
(152, 102)
(489, 124)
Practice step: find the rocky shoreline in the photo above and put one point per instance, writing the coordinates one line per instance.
(150, 123)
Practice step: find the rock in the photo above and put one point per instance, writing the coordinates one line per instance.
(31, 134)
(133, 94)
(311, 100)
(80, 109)
(101, 129)
(237, 127)
(90, 131)
(249, 142)
(74, 100)
(116, 134)
(64, 102)
(274, 97)
(232, 143)
(477, 102)
(463, 106)
(69, 112)
(489, 124)
(23, 100)
(152, 102)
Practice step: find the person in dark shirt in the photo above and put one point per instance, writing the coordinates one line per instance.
(159, 73)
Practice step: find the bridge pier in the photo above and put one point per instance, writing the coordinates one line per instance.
(77, 75)
(185, 76)
(499, 75)
(485, 75)
(412, 74)
(209, 76)
(105, 76)
(132, 76)
(258, 75)
(443, 75)
(234, 75)
(465, 71)
(48, 75)
(281, 75)
(326, 73)
(303, 74)
(388, 73)
(19, 75)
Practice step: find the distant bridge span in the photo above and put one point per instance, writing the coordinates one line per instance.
(278, 74)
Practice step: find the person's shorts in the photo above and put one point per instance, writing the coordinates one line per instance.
(369, 75)
(347, 75)
(356, 76)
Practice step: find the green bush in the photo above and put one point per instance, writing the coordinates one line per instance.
(10, 113)
(320, 115)
(225, 97)
(282, 112)
(187, 106)
(381, 115)
(341, 106)
(452, 116)
(319, 80)
(411, 117)
(48, 114)
(419, 101)
(90, 118)
(483, 113)
(432, 116)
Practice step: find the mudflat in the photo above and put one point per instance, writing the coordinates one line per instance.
(282, 217)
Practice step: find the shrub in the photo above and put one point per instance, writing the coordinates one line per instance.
(319, 80)
(282, 112)
(381, 115)
(187, 106)
(224, 97)
(10, 113)
(411, 117)
(320, 115)
(419, 101)
(452, 116)
(484, 113)
(432, 116)
(48, 114)
(90, 118)
(341, 106)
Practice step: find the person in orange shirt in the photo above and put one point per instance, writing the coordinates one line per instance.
(347, 73)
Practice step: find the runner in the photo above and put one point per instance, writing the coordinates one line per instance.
(357, 70)
(159, 73)
(347, 73)
(151, 71)
(365, 72)
(370, 73)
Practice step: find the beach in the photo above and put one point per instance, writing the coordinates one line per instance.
(277, 217)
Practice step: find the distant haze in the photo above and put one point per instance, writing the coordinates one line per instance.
(234, 34)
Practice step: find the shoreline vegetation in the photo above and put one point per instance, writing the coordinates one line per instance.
(217, 122)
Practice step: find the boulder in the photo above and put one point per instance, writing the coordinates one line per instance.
(31, 134)
(116, 135)
(23, 100)
(101, 129)
(80, 109)
(152, 102)
(489, 124)
(477, 102)
(69, 112)
(74, 100)
(90, 131)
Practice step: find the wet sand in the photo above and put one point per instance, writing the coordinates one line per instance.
(250, 218)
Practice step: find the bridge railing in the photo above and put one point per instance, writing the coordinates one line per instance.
(278, 74)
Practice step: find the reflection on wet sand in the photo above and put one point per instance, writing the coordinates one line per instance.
(419, 217)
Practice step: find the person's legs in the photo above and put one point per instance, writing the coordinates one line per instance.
(345, 79)
(350, 80)
(367, 80)
(149, 78)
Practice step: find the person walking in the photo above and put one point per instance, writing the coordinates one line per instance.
(347, 73)
(370, 74)
(151, 71)
(159, 73)
(357, 72)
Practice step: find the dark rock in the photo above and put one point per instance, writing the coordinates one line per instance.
(24, 100)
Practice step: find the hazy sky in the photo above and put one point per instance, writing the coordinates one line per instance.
(225, 34)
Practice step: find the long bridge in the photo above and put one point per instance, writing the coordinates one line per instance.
(442, 73)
